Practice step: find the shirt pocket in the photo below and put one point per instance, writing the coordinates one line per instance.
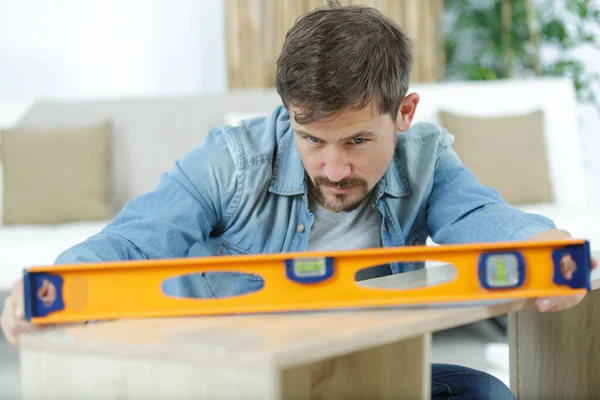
(228, 249)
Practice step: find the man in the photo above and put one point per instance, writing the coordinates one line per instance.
(338, 166)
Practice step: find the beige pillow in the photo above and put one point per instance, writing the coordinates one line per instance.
(55, 175)
(507, 153)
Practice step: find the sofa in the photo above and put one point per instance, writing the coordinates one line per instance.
(147, 135)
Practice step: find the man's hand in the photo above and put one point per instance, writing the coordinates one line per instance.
(567, 266)
(13, 316)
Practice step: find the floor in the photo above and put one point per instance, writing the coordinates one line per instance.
(480, 346)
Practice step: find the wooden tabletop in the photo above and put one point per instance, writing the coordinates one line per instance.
(277, 339)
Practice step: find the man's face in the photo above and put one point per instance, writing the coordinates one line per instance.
(346, 156)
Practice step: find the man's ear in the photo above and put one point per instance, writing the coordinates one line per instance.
(406, 111)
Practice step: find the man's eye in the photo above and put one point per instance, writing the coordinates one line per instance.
(313, 140)
(358, 140)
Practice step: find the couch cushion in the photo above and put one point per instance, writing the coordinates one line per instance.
(55, 175)
(499, 98)
(507, 153)
(149, 134)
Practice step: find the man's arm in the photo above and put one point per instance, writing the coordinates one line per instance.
(462, 210)
(179, 212)
(188, 202)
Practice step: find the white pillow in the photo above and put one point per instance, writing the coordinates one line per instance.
(554, 95)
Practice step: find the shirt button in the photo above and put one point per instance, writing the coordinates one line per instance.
(300, 228)
(385, 227)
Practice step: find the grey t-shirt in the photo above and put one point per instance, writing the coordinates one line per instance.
(357, 229)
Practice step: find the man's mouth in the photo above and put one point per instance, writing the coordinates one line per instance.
(339, 189)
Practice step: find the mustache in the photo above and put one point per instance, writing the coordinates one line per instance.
(345, 183)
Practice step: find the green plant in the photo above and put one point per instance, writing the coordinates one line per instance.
(499, 39)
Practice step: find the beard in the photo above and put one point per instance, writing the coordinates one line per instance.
(341, 201)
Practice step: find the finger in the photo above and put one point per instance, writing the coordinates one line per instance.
(8, 305)
(563, 302)
(543, 304)
(571, 301)
(563, 305)
(19, 312)
(50, 295)
(567, 266)
(47, 293)
(594, 264)
(11, 325)
(10, 338)
(6, 325)
(43, 290)
(27, 327)
(16, 329)
(17, 300)
(44, 287)
(7, 316)
(13, 340)
(550, 304)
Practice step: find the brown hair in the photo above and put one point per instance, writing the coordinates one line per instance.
(339, 57)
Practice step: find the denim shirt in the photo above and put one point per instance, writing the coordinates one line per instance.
(242, 190)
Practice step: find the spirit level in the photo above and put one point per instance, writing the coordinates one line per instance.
(305, 281)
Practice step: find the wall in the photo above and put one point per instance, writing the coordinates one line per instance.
(106, 48)
(256, 30)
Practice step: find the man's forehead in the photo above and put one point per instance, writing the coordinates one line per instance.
(370, 109)
(348, 118)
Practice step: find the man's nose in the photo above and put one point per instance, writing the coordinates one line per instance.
(336, 166)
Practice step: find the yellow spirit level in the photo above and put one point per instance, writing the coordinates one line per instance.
(305, 281)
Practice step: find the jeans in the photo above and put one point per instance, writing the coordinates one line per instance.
(453, 382)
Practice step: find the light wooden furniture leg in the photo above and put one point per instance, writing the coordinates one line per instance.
(394, 371)
(556, 355)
